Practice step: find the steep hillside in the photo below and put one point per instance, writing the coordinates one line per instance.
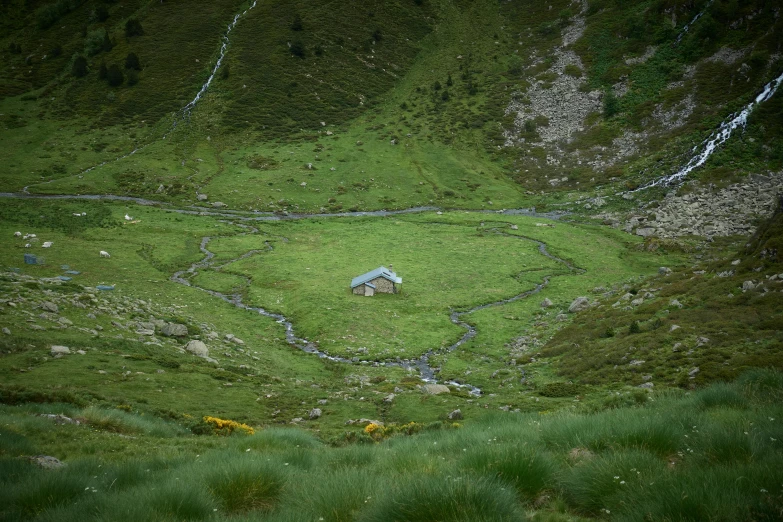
(458, 103)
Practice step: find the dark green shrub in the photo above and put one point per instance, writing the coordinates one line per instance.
(79, 67)
(101, 14)
(560, 389)
(114, 76)
(298, 49)
(611, 104)
(47, 15)
(133, 28)
(94, 42)
(296, 25)
(56, 51)
(634, 328)
(132, 62)
(103, 71)
(133, 77)
(107, 44)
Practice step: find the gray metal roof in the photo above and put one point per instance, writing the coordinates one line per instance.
(378, 272)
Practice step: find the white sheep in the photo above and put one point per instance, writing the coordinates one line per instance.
(17, 234)
(46, 244)
(128, 218)
(104, 254)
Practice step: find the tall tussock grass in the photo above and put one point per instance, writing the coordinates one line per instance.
(714, 454)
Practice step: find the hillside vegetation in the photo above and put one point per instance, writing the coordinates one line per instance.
(188, 188)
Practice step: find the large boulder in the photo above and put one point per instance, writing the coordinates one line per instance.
(197, 348)
(50, 307)
(46, 462)
(60, 350)
(174, 330)
(579, 304)
(435, 389)
(645, 231)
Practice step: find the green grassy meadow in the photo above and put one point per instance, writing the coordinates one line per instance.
(675, 456)
(175, 399)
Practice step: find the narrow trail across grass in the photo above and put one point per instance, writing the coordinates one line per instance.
(422, 364)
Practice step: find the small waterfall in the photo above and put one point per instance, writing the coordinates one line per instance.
(185, 111)
(689, 24)
(719, 137)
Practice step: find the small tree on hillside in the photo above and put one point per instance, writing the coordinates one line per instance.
(79, 67)
(611, 104)
(114, 75)
(107, 43)
(101, 14)
(133, 28)
(133, 77)
(296, 25)
(132, 62)
(298, 49)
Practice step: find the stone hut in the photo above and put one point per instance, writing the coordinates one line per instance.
(381, 280)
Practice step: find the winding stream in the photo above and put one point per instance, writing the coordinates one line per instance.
(422, 364)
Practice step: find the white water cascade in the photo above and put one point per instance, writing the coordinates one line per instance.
(185, 111)
(719, 137)
(689, 24)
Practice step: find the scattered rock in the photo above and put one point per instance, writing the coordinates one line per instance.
(645, 231)
(675, 302)
(389, 398)
(50, 307)
(456, 415)
(693, 372)
(59, 418)
(6, 331)
(664, 271)
(174, 330)
(315, 413)
(748, 285)
(435, 389)
(60, 350)
(579, 304)
(202, 197)
(198, 348)
(646, 385)
(46, 462)
(218, 204)
(546, 303)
